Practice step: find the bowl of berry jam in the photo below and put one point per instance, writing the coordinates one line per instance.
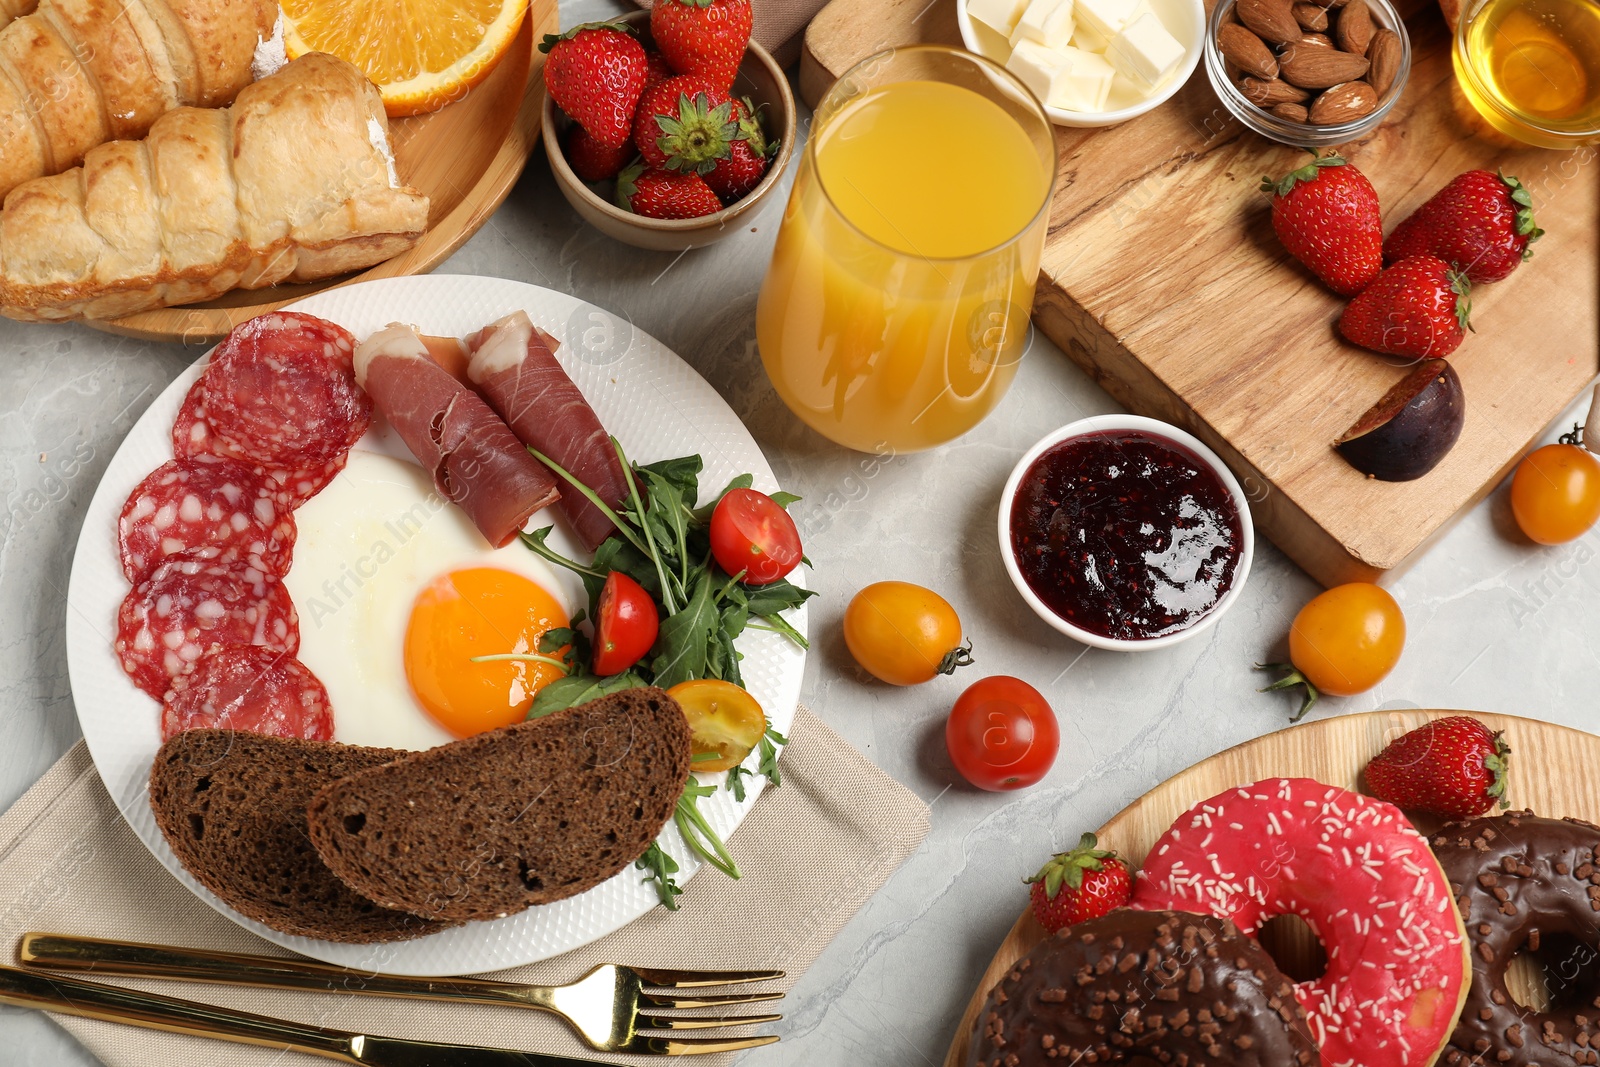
(1125, 533)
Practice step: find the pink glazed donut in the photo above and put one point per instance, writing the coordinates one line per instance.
(1361, 876)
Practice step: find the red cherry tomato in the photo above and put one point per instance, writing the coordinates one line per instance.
(750, 532)
(625, 625)
(1002, 734)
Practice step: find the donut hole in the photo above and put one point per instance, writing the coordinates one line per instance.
(1294, 947)
(1558, 976)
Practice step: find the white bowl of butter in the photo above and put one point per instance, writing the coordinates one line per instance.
(1090, 62)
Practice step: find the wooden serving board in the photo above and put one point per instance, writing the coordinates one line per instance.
(465, 156)
(1163, 280)
(1332, 751)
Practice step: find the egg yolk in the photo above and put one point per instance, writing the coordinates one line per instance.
(481, 611)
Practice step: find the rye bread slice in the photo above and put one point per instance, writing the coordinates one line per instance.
(232, 806)
(524, 815)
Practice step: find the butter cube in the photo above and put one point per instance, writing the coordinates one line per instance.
(1069, 78)
(1086, 85)
(1000, 15)
(1104, 19)
(1145, 51)
(1046, 22)
(1087, 37)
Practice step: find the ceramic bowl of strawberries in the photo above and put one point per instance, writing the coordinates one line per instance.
(667, 129)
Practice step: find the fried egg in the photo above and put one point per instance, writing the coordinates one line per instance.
(397, 593)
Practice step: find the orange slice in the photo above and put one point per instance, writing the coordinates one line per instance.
(421, 54)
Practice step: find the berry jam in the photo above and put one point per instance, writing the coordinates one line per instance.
(1125, 534)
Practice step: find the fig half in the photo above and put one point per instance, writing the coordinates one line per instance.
(1406, 434)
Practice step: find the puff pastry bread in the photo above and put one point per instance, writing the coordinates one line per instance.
(291, 183)
(14, 9)
(77, 73)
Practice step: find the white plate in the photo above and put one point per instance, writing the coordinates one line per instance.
(654, 403)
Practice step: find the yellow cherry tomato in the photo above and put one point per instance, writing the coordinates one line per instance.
(1345, 641)
(904, 634)
(725, 720)
(1555, 494)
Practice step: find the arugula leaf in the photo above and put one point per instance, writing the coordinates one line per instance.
(698, 832)
(536, 542)
(769, 755)
(578, 689)
(683, 643)
(767, 600)
(702, 515)
(783, 500)
(682, 473)
(668, 519)
(736, 777)
(574, 640)
(659, 868)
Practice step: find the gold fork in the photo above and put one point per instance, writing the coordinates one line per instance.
(603, 1006)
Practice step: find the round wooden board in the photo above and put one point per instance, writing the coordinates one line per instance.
(1329, 750)
(466, 157)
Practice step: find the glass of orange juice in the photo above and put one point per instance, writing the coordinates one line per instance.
(896, 308)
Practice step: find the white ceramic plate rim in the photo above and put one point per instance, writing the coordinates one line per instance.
(653, 401)
(1156, 428)
(1193, 50)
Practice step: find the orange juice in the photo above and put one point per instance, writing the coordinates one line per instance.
(896, 307)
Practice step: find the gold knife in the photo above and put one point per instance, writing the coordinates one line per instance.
(30, 989)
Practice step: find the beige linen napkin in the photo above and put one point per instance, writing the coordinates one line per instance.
(812, 853)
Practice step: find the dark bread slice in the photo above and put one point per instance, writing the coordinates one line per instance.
(232, 806)
(527, 814)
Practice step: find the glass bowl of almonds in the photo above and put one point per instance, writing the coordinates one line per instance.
(1308, 72)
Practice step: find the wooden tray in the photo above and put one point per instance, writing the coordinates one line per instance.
(1332, 751)
(466, 157)
(1163, 280)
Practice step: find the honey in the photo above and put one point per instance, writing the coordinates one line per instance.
(1533, 67)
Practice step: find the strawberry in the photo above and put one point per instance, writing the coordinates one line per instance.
(591, 160)
(684, 123)
(664, 194)
(1326, 214)
(595, 73)
(1454, 767)
(704, 37)
(1418, 308)
(1481, 224)
(1082, 884)
(749, 155)
(657, 70)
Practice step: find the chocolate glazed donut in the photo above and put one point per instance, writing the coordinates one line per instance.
(1519, 881)
(1145, 988)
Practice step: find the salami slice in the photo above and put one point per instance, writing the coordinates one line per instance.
(250, 688)
(279, 396)
(189, 606)
(211, 508)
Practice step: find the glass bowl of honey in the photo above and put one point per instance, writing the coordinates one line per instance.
(1531, 68)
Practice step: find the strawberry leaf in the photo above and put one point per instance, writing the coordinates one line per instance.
(1460, 286)
(1308, 173)
(553, 39)
(698, 136)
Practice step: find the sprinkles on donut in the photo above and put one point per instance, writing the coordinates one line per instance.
(1522, 882)
(1144, 987)
(1361, 877)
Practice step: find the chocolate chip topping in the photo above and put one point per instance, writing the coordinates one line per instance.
(1144, 987)
(1526, 878)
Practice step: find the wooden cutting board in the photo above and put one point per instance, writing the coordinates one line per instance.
(1332, 751)
(1162, 279)
(465, 156)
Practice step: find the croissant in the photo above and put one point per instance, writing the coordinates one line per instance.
(78, 73)
(293, 182)
(14, 9)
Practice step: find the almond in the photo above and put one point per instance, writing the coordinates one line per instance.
(1343, 103)
(1272, 20)
(1266, 94)
(1315, 67)
(1354, 30)
(1311, 17)
(1384, 55)
(1317, 40)
(1247, 51)
(1291, 112)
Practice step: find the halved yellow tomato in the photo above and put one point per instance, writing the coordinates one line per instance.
(726, 721)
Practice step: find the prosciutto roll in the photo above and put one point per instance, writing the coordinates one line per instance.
(475, 459)
(514, 366)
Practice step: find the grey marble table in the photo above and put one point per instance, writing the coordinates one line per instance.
(1496, 623)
